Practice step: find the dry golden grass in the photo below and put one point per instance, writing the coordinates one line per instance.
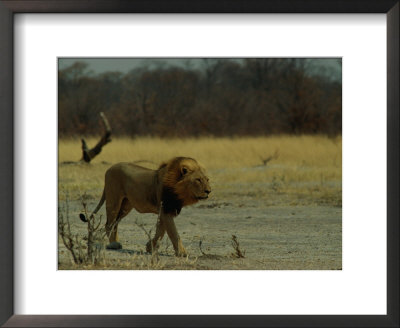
(306, 165)
(216, 153)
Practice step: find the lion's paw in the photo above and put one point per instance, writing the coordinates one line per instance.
(181, 253)
(149, 247)
(114, 245)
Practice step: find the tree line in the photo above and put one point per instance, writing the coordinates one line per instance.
(218, 97)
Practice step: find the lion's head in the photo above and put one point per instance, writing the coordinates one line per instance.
(185, 180)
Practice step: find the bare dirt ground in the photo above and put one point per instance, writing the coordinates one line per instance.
(271, 235)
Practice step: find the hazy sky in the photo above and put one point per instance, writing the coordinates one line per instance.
(330, 66)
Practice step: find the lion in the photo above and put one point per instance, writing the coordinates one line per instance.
(175, 184)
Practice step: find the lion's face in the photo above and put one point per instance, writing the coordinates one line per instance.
(197, 183)
(193, 184)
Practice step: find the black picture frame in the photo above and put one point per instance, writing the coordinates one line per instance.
(7, 11)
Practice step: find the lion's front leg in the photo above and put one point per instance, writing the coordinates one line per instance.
(172, 232)
(154, 243)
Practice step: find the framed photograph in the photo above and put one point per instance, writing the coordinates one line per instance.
(257, 141)
(264, 132)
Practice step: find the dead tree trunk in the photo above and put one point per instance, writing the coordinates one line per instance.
(89, 154)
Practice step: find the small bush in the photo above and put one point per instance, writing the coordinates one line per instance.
(238, 252)
(87, 249)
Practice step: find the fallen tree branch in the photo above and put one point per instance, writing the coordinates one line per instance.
(89, 154)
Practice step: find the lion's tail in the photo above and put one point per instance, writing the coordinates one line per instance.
(99, 205)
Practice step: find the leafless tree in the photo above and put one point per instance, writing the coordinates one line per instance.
(89, 154)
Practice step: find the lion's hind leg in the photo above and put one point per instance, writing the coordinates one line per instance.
(116, 210)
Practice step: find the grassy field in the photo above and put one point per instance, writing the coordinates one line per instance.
(295, 197)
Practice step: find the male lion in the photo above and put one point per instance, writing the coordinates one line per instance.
(175, 184)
